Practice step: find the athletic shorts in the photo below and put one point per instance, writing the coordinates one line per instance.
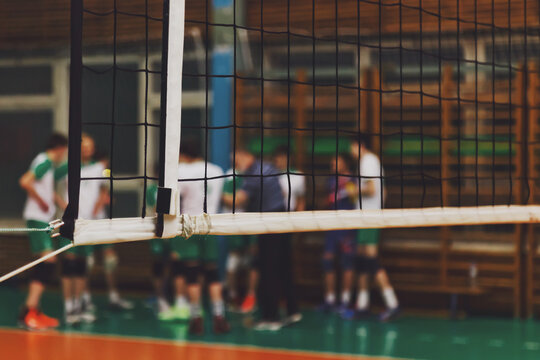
(203, 248)
(240, 243)
(40, 241)
(160, 247)
(342, 242)
(368, 236)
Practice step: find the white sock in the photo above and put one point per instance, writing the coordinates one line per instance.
(87, 298)
(77, 304)
(163, 305)
(195, 310)
(390, 298)
(330, 298)
(345, 297)
(362, 302)
(218, 308)
(114, 296)
(180, 301)
(68, 305)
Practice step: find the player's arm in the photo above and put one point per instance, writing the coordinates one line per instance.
(301, 203)
(103, 200)
(27, 183)
(368, 187)
(59, 201)
(241, 198)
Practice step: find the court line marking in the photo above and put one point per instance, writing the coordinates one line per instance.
(203, 344)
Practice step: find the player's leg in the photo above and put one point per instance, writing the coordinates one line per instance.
(371, 237)
(179, 272)
(250, 301)
(209, 256)
(67, 266)
(286, 271)
(269, 291)
(191, 255)
(330, 247)
(87, 303)
(31, 316)
(348, 253)
(234, 249)
(159, 248)
(110, 263)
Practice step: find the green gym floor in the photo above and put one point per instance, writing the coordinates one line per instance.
(317, 336)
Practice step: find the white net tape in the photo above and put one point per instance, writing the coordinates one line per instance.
(132, 229)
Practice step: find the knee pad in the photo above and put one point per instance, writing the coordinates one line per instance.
(44, 273)
(80, 267)
(211, 275)
(110, 263)
(360, 264)
(67, 266)
(347, 261)
(372, 265)
(158, 268)
(177, 268)
(327, 264)
(192, 274)
(233, 262)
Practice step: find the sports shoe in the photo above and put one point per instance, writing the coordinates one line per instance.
(356, 314)
(248, 305)
(196, 326)
(326, 307)
(88, 305)
(292, 319)
(120, 304)
(220, 325)
(268, 326)
(175, 313)
(33, 319)
(87, 316)
(389, 315)
(72, 317)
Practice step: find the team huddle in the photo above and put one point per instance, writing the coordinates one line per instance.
(256, 185)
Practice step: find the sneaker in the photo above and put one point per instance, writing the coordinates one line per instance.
(120, 304)
(351, 314)
(248, 305)
(389, 315)
(33, 319)
(87, 316)
(162, 305)
(220, 325)
(326, 307)
(88, 305)
(72, 317)
(175, 313)
(196, 326)
(341, 309)
(292, 319)
(268, 326)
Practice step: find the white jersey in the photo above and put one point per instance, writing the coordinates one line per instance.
(370, 170)
(43, 170)
(192, 191)
(90, 190)
(298, 189)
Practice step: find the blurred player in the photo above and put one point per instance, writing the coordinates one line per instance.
(297, 182)
(264, 195)
(342, 195)
(367, 263)
(198, 255)
(241, 253)
(39, 184)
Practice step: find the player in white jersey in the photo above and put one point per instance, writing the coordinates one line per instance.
(200, 186)
(39, 184)
(372, 197)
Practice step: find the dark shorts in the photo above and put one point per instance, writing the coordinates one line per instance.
(203, 248)
(342, 242)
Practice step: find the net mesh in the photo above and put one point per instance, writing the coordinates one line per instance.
(445, 92)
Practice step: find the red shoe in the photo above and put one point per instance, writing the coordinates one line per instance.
(249, 304)
(36, 320)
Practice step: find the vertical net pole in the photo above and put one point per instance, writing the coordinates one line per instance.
(168, 205)
(75, 120)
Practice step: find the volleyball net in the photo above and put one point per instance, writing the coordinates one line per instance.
(391, 114)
